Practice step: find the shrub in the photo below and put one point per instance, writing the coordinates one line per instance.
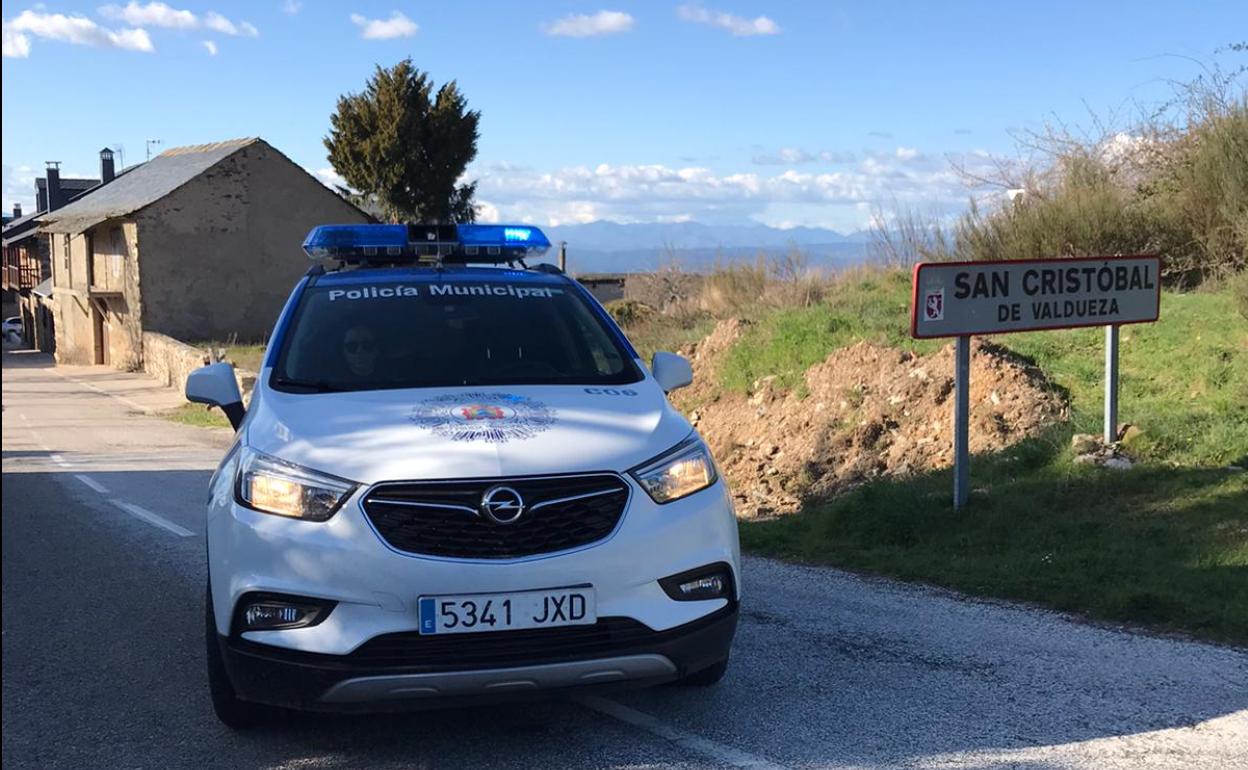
(629, 312)
(1239, 290)
(1176, 187)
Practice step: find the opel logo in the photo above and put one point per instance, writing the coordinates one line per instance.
(502, 505)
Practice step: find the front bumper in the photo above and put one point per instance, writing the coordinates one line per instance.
(377, 590)
(395, 673)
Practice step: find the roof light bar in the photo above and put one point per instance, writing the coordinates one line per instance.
(425, 243)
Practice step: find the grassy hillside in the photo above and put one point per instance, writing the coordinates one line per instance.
(1164, 544)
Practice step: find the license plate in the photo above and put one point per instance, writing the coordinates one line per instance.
(474, 613)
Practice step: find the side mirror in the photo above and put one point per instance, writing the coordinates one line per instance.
(215, 385)
(671, 371)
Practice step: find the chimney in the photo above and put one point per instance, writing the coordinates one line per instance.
(17, 211)
(107, 170)
(41, 195)
(56, 198)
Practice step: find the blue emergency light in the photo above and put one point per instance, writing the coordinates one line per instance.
(387, 244)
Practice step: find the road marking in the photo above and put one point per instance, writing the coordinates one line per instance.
(695, 743)
(155, 520)
(133, 405)
(95, 485)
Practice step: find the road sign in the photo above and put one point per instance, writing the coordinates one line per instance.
(952, 299)
(959, 299)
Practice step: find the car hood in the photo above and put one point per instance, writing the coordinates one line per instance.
(434, 433)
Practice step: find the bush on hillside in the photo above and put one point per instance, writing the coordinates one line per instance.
(1178, 189)
(629, 312)
(1239, 290)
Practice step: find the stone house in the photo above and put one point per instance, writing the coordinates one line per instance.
(199, 243)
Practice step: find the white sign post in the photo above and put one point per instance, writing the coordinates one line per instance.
(961, 299)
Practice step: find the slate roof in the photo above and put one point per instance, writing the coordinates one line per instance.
(20, 228)
(68, 184)
(140, 186)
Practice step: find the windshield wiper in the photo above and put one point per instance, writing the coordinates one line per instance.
(317, 386)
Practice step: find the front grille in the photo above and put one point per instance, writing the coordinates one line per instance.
(443, 518)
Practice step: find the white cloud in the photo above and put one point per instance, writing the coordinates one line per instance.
(329, 177)
(584, 25)
(210, 47)
(788, 156)
(215, 21)
(487, 213)
(19, 187)
(291, 7)
(907, 153)
(737, 25)
(655, 192)
(16, 45)
(77, 30)
(150, 15)
(396, 26)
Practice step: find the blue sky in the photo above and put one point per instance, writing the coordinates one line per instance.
(787, 113)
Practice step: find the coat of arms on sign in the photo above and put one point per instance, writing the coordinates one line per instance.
(934, 305)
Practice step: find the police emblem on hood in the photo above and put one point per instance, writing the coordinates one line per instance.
(495, 418)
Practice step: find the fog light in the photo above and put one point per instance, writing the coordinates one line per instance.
(702, 587)
(273, 616)
(713, 581)
(270, 612)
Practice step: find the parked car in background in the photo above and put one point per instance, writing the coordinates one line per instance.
(13, 329)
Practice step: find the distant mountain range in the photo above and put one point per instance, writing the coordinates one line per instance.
(610, 247)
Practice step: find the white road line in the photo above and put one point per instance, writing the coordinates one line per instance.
(133, 405)
(155, 520)
(695, 743)
(95, 485)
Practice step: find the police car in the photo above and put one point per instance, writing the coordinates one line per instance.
(455, 481)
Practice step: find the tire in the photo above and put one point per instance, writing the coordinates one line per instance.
(707, 676)
(234, 713)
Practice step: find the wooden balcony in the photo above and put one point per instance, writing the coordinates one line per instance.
(20, 272)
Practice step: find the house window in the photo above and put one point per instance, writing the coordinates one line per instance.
(90, 238)
(118, 250)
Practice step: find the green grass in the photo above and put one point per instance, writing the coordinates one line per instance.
(1164, 544)
(1183, 380)
(198, 415)
(785, 342)
(1160, 545)
(247, 357)
(662, 333)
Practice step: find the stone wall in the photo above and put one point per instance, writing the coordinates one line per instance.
(171, 361)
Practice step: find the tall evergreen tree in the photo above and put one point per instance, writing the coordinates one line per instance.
(403, 149)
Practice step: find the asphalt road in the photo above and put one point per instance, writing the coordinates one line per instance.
(103, 575)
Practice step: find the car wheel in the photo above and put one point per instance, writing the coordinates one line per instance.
(706, 677)
(234, 713)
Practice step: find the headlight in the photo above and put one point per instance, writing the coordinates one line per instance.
(276, 486)
(679, 472)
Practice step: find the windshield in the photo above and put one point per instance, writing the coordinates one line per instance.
(389, 334)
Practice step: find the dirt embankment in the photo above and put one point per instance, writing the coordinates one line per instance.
(867, 411)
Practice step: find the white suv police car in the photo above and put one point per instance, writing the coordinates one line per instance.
(456, 482)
